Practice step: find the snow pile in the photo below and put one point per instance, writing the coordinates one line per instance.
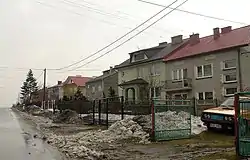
(85, 144)
(67, 116)
(32, 109)
(171, 120)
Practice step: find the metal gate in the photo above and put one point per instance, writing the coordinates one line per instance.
(242, 124)
(171, 119)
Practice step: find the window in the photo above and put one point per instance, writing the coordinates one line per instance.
(205, 95)
(99, 88)
(204, 71)
(93, 89)
(139, 57)
(140, 72)
(230, 91)
(155, 92)
(229, 64)
(155, 70)
(230, 77)
(180, 96)
(179, 74)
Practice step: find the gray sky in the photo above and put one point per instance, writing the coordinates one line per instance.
(56, 33)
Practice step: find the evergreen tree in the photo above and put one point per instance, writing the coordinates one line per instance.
(29, 86)
(78, 95)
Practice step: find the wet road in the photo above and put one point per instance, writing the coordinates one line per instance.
(18, 142)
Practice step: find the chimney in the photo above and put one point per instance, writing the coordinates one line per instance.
(110, 69)
(59, 82)
(216, 33)
(226, 29)
(194, 39)
(176, 39)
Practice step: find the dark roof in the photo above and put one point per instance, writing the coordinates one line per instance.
(134, 81)
(154, 53)
(101, 77)
(233, 38)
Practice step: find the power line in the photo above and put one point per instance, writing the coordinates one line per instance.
(194, 13)
(132, 36)
(118, 38)
(98, 11)
(39, 76)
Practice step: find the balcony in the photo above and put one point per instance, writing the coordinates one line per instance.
(178, 85)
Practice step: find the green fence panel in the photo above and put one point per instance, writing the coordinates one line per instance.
(172, 119)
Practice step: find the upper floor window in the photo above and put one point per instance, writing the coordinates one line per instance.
(155, 70)
(230, 77)
(93, 88)
(99, 88)
(179, 74)
(204, 71)
(140, 72)
(229, 64)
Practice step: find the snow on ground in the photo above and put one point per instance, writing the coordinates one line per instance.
(111, 117)
(172, 120)
(83, 145)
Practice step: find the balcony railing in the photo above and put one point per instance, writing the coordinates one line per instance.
(175, 85)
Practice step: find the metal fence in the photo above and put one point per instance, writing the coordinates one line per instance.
(80, 106)
(171, 119)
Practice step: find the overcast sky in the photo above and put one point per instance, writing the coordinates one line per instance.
(55, 33)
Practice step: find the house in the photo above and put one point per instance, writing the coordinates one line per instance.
(37, 97)
(141, 76)
(210, 67)
(99, 86)
(73, 83)
(55, 93)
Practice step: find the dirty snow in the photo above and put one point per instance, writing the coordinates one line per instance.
(83, 145)
(111, 117)
(171, 120)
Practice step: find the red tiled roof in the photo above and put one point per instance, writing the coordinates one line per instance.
(234, 38)
(79, 81)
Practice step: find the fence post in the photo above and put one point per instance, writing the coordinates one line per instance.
(216, 102)
(122, 105)
(99, 111)
(93, 109)
(107, 112)
(153, 120)
(195, 106)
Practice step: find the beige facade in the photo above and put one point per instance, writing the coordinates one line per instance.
(152, 72)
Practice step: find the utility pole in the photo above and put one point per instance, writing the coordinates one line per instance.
(44, 87)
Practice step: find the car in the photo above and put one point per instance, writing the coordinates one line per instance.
(221, 117)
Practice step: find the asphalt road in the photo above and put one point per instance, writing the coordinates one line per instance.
(17, 141)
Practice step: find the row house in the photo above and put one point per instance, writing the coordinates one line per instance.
(98, 87)
(142, 76)
(73, 83)
(210, 67)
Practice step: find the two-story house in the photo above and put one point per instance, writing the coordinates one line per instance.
(210, 67)
(55, 93)
(73, 83)
(99, 86)
(142, 75)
